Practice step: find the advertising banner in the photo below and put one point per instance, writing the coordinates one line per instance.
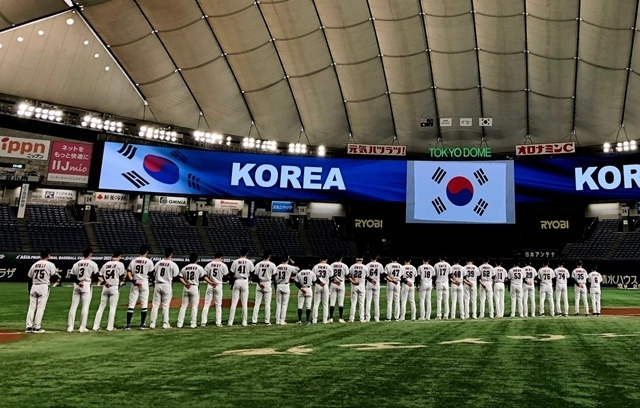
(228, 204)
(282, 207)
(55, 194)
(70, 162)
(101, 196)
(20, 148)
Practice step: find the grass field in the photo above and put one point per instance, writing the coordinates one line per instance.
(541, 362)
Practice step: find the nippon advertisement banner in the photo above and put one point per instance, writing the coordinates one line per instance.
(70, 162)
(20, 148)
(587, 179)
(169, 170)
(468, 192)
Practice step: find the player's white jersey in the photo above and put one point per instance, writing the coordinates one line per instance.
(594, 280)
(41, 272)
(487, 272)
(562, 274)
(284, 273)
(323, 272)
(216, 270)
(374, 270)
(265, 270)
(443, 271)
(339, 271)
(358, 273)
(241, 268)
(112, 272)
(84, 269)
(529, 273)
(166, 270)
(546, 275)
(140, 267)
(458, 272)
(410, 272)
(472, 273)
(393, 270)
(192, 274)
(426, 272)
(501, 274)
(516, 276)
(305, 278)
(579, 275)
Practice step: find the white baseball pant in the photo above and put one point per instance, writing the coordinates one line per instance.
(283, 291)
(190, 296)
(357, 298)
(442, 294)
(321, 295)
(263, 292)
(547, 291)
(240, 292)
(498, 294)
(595, 300)
(561, 295)
(373, 294)
(337, 294)
(305, 296)
(212, 295)
(393, 300)
(425, 302)
(529, 293)
(516, 300)
(80, 294)
(38, 296)
(471, 297)
(111, 295)
(408, 293)
(581, 293)
(486, 296)
(457, 300)
(162, 294)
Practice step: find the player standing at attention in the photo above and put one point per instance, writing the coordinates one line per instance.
(562, 275)
(408, 290)
(83, 270)
(443, 272)
(458, 273)
(498, 287)
(323, 273)
(284, 273)
(111, 274)
(138, 272)
(264, 271)
(357, 273)
(594, 289)
(165, 271)
(579, 275)
(529, 289)
(374, 271)
(216, 272)
(546, 276)
(40, 274)
(393, 271)
(426, 274)
(339, 270)
(190, 277)
(240, 270)
(304, 280)
(471, 289)
(516, 276)
(487, 273)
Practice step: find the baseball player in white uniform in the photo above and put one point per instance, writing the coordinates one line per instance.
(138, 273)
(83, 270)
(323, 273)
(393, 270)
(516, 276)
(110, 275)
(546, 276)
(165, 271)
(283, 278)
(426, 274)
(374, 272)
(305, 280)
(263, 275)
(336, 292)
(458, 273)
(487, 274)
(594, 289)
(240, 270)
(443, 273)
(498, 287)
(408, 291)
(40, 274)
(529, 289)
(190, 277)
(562, 275)
(579, 275)
(357, 276)
(471, 289)
(216, 272)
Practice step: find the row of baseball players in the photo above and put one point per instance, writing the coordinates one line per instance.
(324, 282)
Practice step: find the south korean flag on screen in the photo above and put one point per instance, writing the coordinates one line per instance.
(468, 192)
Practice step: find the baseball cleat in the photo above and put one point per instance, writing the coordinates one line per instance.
(193, 326)
(267, 323)
(69, 330)
(341, 321)
(330, 320)
(37, 330)
(218, 325)
(299, 322)
(109, 329)
(83, 330)
(254, 323)
(127, 327)
(29, 330)
(143, 327)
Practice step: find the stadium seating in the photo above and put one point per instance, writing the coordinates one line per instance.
(53, 227)
(277, 236)
(170, 229)
(118, 230)
(606, 242)
(228, 234)
(9, 233)
(324, 240)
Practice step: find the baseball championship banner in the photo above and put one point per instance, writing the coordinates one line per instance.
(20, 148)
(70, 162)
(170, 170)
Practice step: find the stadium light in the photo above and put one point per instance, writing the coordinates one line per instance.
(297, 148)
(207, 137)
(321, 151)
(26, 109)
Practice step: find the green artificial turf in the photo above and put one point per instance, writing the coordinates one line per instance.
(534, 362)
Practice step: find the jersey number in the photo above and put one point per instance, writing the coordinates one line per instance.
(39, 273)
(162, 271)
(110, 274)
